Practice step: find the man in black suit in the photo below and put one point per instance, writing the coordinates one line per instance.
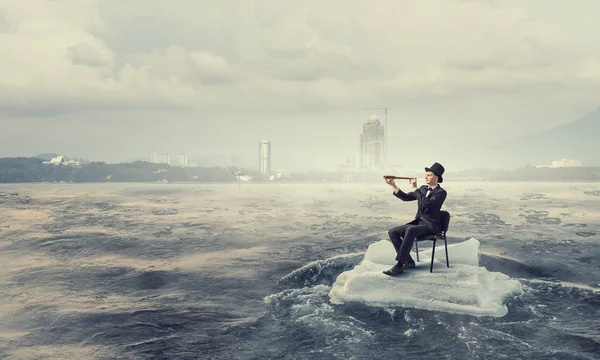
(430, 198)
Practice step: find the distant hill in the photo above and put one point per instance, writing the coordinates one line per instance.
(575, 140)
(17, 170)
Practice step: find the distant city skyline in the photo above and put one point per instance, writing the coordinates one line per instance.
(180, 159)
(81, 78)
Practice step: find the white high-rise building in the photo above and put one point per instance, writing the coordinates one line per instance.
(182, 160)
(264, 157)
(155, 158)
(166, 158)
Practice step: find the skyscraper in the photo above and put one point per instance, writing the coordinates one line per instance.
(372, 145)
(166, 158)
(182, 160)
(154, 158)
(264, 157)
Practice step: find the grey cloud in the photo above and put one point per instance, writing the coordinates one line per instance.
(48, 108)
(287, 53)
(308, 68)
(470, 65)
(15, 102)
(85, 54)
(192, 68)
(265, 47)
(4, 25)
(497, 62)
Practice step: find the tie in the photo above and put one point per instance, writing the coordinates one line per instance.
(429, 190)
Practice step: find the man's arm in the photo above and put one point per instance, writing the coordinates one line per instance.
(405, 196)
(434, 201)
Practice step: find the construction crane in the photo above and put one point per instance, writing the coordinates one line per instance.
(385, 133)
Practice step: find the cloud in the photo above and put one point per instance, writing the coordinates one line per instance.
(590, 69)
(87, 54)
(262, 56)
(194, 68)
(4, 25)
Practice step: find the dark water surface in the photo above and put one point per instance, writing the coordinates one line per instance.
(189, 271)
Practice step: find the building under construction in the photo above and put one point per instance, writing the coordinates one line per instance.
(372, 145)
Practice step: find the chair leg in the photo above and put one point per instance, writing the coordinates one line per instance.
(417, 249)
(432, 255)
(446, 246)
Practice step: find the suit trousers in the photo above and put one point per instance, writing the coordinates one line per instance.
(403, 238)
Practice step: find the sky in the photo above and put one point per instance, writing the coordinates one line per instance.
(115, 80)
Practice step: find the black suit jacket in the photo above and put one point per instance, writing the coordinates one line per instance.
(428, 212)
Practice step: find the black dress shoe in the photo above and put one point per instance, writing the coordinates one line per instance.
(396, 270)
(409, 265)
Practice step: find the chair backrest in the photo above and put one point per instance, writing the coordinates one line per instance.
(445, 219)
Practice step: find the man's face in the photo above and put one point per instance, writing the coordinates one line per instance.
(430, 178)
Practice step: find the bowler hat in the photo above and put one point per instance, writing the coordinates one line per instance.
(437, 169)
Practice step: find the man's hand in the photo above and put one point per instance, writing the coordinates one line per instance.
(391, 183)
(413, 182)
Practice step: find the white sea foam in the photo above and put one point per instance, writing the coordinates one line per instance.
(464, 288)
